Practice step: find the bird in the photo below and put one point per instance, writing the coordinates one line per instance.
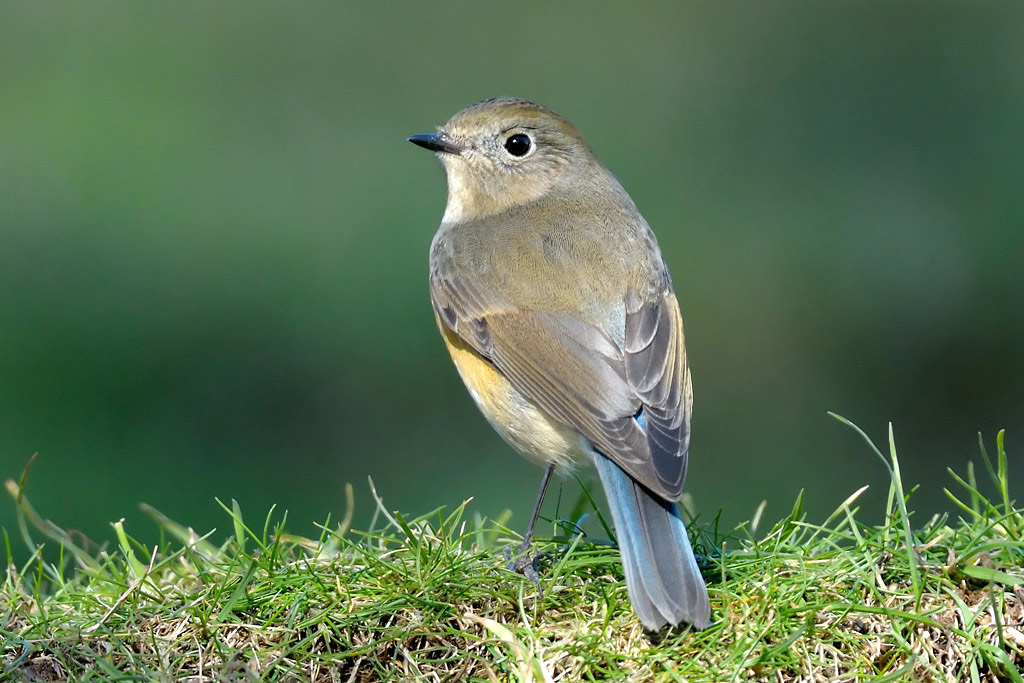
(558, 311)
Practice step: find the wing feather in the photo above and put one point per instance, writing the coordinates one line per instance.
(577, 373)
(655, 359)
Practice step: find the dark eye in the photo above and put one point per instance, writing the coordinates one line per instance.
(518, 145)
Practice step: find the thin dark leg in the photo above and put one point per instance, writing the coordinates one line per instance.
(526, 563)
(528, 538)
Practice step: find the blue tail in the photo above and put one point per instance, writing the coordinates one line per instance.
(664, 583)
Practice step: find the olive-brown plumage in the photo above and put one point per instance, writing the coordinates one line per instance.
(559, 313)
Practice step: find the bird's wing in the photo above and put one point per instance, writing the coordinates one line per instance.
(658, 373)
(575, 372)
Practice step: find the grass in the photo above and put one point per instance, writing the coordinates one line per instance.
(430, 598)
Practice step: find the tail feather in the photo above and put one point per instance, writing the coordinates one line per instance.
(664, 583)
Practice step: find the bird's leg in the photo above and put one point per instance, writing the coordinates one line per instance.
(526, 563)
(528, 538)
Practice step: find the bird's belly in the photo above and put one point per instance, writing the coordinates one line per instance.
(536, 435)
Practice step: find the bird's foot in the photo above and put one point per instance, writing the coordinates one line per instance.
(525, 563)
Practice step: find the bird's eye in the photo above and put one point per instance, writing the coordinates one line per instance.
(518, 145)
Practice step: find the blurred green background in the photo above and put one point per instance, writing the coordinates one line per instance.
(213, 244)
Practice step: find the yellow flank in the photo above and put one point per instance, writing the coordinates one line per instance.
(526, 427)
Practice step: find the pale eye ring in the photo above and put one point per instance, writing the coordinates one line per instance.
(518, 145)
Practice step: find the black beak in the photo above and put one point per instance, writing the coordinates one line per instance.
(435, 143)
